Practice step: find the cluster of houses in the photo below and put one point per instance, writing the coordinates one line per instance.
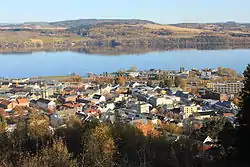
(125, 103)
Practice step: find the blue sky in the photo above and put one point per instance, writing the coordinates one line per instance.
(162, 11)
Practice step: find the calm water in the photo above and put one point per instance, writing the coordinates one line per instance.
(63, 63)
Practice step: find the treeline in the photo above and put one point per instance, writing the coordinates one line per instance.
(78, 144)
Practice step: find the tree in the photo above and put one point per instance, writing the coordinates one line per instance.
(219, 70)
(57, 156)
(3, 124)
(100, 147)
(149, 83)
(183, 84)
(132, 69)
(161, 84)
(168, 83)
(177, 81)
(120, 80)
(244, 117)
(37, 125)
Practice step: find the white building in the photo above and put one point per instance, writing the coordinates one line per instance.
(100, 98)
(46, 104)
(156, 101)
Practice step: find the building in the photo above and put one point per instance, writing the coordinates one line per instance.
(46, 104)
(209, 94)
(206, 74)
(156, 101)
(22, 102)
(143, 107)
(204, 114)
(6, 104)
(227, 88)
(182, 69)
(189, 110)
(100, 98)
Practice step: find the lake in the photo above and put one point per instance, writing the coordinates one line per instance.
(63, 63)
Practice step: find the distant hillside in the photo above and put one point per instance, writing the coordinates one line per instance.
(91, 22)
(224, 25)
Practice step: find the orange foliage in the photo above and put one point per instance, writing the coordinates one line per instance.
(147, 128)
(121, 80)
(236, 101)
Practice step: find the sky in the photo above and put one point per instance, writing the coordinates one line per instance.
(161, 11)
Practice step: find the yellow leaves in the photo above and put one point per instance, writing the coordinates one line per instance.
(100, 147)
(37, 125)
(121, 80)
(74, 122)
(183, 84)
(173, 128)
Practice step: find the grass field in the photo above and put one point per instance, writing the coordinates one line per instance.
(175, 29)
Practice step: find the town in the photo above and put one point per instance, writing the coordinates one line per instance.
(129, 96)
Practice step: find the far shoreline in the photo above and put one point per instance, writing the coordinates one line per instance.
(109, 50)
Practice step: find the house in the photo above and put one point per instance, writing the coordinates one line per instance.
(6, 104)
(72, 97)
(47, 92)
(224, 105)
(206, 74)
(156, 101)
(22, 102)
(204, 114)
(209, 94)
(100, 98)
(72, 105)
(46, 104)
(189, 110)
(185, 96)
(134, 84)
(132, 74)
(91, 110)
(143, 107)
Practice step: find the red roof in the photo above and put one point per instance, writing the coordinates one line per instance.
(227, 114)
(22, 100)
(72, 105)
(205, 147)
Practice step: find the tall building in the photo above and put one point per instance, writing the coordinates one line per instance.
(182, 69)
(228, 88)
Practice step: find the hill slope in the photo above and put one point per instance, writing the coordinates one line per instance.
(91, 22)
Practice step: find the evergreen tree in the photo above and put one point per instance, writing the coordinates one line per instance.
(243, 145)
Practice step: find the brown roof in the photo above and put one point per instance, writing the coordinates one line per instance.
(5, 102)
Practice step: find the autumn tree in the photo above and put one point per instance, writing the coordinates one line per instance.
(120, 80)
(183, 84)
(168, 83)
(100, 147)
(132, 69)
(147, 128)
(56, 155)
(177, 81)
(3, 124)
(37, 125)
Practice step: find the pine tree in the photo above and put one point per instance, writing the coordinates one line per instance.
(243, 144)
